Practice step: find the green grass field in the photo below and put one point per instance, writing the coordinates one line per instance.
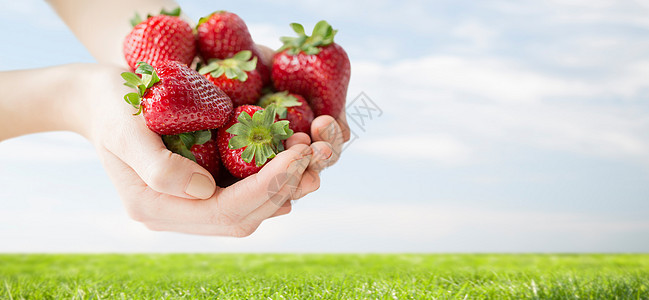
(329, 276)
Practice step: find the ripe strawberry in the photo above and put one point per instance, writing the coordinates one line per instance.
(158, 39)
(314, 67)
(207, 156)
(291, 107)
(176, 99)
(223, 34)
(199, 146)
(252, 133)
(236, 76)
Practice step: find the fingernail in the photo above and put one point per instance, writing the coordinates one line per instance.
(326, 159)
(200, 186)
(323, 163)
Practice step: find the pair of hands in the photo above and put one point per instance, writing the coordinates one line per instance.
(168, 192)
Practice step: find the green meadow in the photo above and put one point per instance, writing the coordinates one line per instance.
(324, 276)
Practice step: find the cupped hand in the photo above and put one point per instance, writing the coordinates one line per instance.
(329, 133)
(168, 192)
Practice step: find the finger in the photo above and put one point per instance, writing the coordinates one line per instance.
(284, 210)
(308, 183)
(266, 54)
(142, 203)
(325, 128)
(344, 126)
(123, 177)
(238, 230)
(322, 153)
(258, 188)
(203, 217)
(162, 170)
(227, 207)
(298, 138)
(241, 230)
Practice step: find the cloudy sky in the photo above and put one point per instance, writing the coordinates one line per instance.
(498, 126)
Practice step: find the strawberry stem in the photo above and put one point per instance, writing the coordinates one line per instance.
(174, 12)
(182, 143)
(323, 35)
(235, 67)
(260, 135)
(206, 18)
(148, 79)
(282, 100)
(137, 19)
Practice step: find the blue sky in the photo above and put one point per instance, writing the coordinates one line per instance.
(506, 127)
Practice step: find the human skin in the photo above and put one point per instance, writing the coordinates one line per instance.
(161, 189)
(158, 188)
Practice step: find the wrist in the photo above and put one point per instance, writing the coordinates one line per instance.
(33, 101)
(50, 99)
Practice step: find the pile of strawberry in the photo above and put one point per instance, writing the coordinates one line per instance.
(206, 92)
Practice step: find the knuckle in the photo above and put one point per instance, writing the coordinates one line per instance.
(157, 176)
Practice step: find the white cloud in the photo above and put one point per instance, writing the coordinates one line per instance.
(440, 149)
(478, 34)
(610, 12)
(484, 103)
(268, 34)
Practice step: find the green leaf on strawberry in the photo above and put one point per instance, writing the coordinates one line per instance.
(182, 143)
(174, 12)
(322, 35)
(148, 79)
(234, 67)
(282, 100)
(137, 19)
(260, 134)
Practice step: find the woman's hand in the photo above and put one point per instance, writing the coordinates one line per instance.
(166, 191)
(329, 134)
(163, 190)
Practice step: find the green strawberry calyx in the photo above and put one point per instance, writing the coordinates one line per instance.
(323, 35)
(148, 79)
(182, 143)
(207, 18)
(260, 134)
(137, 19)
(282, 100)
(235, 67)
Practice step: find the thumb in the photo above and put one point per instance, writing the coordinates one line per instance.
(161, 169)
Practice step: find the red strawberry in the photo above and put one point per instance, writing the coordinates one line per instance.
(250, 139)
(158, 39)
(223, 34)
(199, 146)
(236, 76)
(207, 156)
(176, 99)
(314, 67)
(291, 107)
